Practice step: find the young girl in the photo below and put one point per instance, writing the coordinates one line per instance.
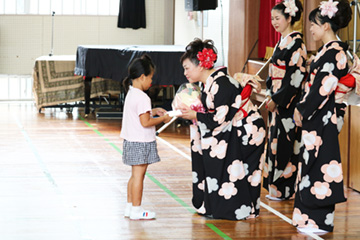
(287, 72)
(226, 143)
(138, 131)
(320, 179)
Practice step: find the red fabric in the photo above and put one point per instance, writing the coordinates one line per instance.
(268, 37)
(245, 94)
(348, 80)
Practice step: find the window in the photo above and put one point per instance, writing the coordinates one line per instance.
(60, 7)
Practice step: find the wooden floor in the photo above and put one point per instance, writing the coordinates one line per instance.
(61, 177)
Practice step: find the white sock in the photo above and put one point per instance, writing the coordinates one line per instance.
(135, 208)
(128, 205)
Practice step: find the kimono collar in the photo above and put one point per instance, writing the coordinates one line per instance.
(290, 34)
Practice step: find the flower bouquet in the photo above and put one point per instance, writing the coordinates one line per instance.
(188, 96)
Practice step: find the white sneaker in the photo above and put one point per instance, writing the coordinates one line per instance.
(142, 215)
(127, 211)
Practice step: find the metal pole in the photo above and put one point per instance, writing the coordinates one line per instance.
(52, 34)
(355, 25)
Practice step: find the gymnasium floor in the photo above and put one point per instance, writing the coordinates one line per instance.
(61, 177)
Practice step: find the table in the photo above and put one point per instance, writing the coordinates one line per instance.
(112, 61)
(54, 82)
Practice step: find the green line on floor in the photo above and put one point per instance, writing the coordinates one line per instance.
(218, 231)
(165, 189)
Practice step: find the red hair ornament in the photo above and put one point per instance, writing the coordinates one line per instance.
(207, 57)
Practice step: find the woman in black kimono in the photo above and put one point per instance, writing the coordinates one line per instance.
(320, 178)
(227, 141)
(287, 72)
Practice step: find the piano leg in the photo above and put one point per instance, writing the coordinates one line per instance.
(87, 83)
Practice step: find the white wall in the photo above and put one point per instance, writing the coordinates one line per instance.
(23, 38)
(186, 30)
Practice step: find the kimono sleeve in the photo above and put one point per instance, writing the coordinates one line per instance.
(324, 84)
(294, 74)
(226, 99)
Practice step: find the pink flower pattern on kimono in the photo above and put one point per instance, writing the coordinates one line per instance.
(329, 84)
(206, 143)
(321, 190)
(225, 126)
(202, 209)
(266, 170)
(341, 60)
(289, 170)
(299, 218)
(228, 190)
(273, 146)
(219, 150)
(201, 185)
(332, 172)
(195, 136)
(237, 102)
(221, 113)
(258, 136)
(237, 170)
(262, 161)
(311, 141)
(334, 118)
(273, 191)
(255, 178)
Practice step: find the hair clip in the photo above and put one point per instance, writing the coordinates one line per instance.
(207, 57)
(291, 8)
(328, 8)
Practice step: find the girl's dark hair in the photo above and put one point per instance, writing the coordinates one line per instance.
(138, 66)
(340, 20)
(281, 7)
(196, 46)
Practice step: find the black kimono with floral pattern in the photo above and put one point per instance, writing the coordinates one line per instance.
(320, 178)
(227, 145)
(286, 74)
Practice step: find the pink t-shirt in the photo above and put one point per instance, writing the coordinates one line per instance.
(136, 103)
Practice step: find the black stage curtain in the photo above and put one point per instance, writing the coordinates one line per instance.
(132, 14)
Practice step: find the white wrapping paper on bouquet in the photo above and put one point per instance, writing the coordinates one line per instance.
(187, 96)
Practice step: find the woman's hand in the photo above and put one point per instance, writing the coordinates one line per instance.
(298, 118)
(270, 105)
(187, 113)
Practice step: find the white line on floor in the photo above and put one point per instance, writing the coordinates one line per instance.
(270, 209)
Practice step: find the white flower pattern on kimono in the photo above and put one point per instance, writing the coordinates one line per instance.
(243, 212)
(237, 170)
(277, 174)
(221, 113)
(299, 218)
(305, 182)
(212, 184)
(195, 177)
(306, 156)
(328, 67)
(237, 102)
(329, 84)
(326, 118)
(288, 124)
(202, 209)
(225, 126)
(311, 141)
(219, 150)
(258, 136)
(228, 190)
(206, 143)
(203, 128)
(332, 172)
(321, 190)
(287, 192)
(255, 178)
(330, 219)
(296, 78)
